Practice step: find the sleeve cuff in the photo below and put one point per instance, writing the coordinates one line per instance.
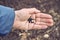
(7, 16)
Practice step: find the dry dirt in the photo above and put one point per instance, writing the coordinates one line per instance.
(51, 7)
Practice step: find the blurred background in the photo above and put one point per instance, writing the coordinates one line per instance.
(51, 7)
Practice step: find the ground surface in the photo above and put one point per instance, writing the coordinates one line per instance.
(51, 7)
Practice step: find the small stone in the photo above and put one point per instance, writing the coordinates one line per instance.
(20, 34)
(44, 10)
(26, 30)
(56, 29)
(46, 36)
(51, 11)
(29, 34)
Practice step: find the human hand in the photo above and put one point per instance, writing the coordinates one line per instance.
(42, 21)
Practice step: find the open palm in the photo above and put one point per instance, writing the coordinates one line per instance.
(41, 20)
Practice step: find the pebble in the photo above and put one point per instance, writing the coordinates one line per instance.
(46, 36)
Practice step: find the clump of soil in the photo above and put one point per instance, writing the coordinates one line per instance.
(51, 7)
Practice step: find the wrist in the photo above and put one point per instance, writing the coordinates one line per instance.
(15, 21)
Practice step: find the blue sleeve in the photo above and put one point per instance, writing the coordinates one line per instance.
(7, 16)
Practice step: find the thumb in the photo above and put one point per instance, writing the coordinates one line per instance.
(33, 10)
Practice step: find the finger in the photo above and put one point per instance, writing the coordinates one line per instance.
(40, 23)
(42, 15)
(49, 24)
(38, 19)
(33, 10)
(44, 20)
(40, 27)
(35, 26)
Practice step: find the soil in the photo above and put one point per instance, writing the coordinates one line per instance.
(51, 7)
